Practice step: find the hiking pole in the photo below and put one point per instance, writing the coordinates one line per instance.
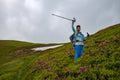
(64, 17)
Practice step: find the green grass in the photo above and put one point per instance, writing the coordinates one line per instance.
(10, 49)
(100, 61)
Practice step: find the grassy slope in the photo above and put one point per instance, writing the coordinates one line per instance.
(101, 60)
(9, 49)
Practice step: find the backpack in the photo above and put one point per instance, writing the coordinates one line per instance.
(72, 39)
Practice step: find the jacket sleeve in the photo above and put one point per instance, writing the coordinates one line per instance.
(73, 27)
(84, 38)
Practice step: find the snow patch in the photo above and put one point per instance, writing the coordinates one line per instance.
(45, 48)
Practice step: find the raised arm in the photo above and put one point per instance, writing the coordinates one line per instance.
(86, 36)
(73, 26)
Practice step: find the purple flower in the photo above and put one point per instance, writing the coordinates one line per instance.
(84, 68)
(57, 75)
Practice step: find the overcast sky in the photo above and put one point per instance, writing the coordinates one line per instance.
(31, 20)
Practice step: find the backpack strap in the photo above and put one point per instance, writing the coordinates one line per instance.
(75, 36)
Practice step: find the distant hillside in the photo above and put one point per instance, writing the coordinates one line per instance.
(10, 47)
(101, 59)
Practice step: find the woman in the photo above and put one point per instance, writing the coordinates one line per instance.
(79, 40)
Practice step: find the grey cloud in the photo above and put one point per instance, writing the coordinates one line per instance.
(31, 20)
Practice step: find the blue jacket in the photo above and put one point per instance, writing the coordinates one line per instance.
(79, 37)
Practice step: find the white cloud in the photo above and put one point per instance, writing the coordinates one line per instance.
(34, 5)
